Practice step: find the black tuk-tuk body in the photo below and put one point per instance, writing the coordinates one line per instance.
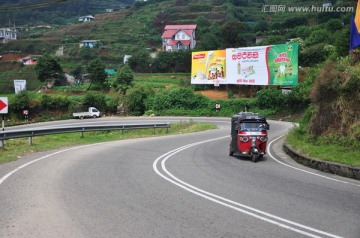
(248, 135)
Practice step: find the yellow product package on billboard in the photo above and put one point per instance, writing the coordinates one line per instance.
(208, 66)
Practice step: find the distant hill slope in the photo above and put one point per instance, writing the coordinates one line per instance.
(140, 26)
(55, 12)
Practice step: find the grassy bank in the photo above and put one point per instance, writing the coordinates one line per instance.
(327, 152)
(16, 148)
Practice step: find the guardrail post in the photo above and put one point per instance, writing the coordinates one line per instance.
(154, 129)
(30, 140)
(2, 143)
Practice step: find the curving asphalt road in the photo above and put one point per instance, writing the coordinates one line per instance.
(172, 186)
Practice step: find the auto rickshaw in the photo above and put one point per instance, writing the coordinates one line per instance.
(248, 135)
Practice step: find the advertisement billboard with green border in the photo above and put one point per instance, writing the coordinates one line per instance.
(259, 65)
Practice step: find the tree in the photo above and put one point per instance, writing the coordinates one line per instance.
(76, 72)
(209, 41)
(318, 37)
(97, 100)
(48, 68)
(295, 21)
(182, 60)
(135, 99)
(273, 40)
(342, 46)
(231, 34)
(203, 21)
(124, 79)
(140, 61)
(333, 25)
(20, 102)
(301, 31)
(239, 2)
(165, 62)
(177, 98)
(312, 55)
(86, 53)
(97, 74)
(262, 25)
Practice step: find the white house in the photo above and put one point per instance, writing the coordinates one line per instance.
(7, 34)
(178, 37)
(86, 18)
(89, 43)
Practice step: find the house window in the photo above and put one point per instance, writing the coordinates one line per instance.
(183, 36)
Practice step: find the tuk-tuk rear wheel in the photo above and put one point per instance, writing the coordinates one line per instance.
(231, 152)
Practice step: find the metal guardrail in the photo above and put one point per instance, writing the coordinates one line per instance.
(4, 135)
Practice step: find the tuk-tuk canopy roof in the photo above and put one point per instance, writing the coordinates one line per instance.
(248, 116)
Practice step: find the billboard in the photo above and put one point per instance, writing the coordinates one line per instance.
(259, 65)
(208, 67)
(19, 85)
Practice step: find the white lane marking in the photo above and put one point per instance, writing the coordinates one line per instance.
(302, 170)
(229, 203)
(41, 158)
(192, 188)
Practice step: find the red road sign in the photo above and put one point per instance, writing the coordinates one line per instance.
(3, 105)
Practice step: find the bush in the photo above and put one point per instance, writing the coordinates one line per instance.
(199, 8)
(135, 99)
(298, 99)
(179, 98)
(304, 122)
(23, 100)
(335, 99)
(270, 99)
(231, 107)
(112, 103)
(94, 99)
(312, 55)
(57, 103)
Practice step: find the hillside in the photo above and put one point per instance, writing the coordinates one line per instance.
(140, 26)
(52, 12)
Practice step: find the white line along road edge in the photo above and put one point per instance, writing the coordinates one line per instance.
(41, 158)
(302, 170)
(267, 217)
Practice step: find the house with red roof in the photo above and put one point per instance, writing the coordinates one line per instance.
(178, 37)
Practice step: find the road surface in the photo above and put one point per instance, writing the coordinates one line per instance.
(172, 186)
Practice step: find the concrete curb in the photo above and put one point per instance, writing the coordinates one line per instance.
(325, 166)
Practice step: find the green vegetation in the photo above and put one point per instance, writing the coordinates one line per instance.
(330, 128)
(16, 148)
(97, 74)
(321, 148)
(221, 24)
(124, 79)
(156, 82)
